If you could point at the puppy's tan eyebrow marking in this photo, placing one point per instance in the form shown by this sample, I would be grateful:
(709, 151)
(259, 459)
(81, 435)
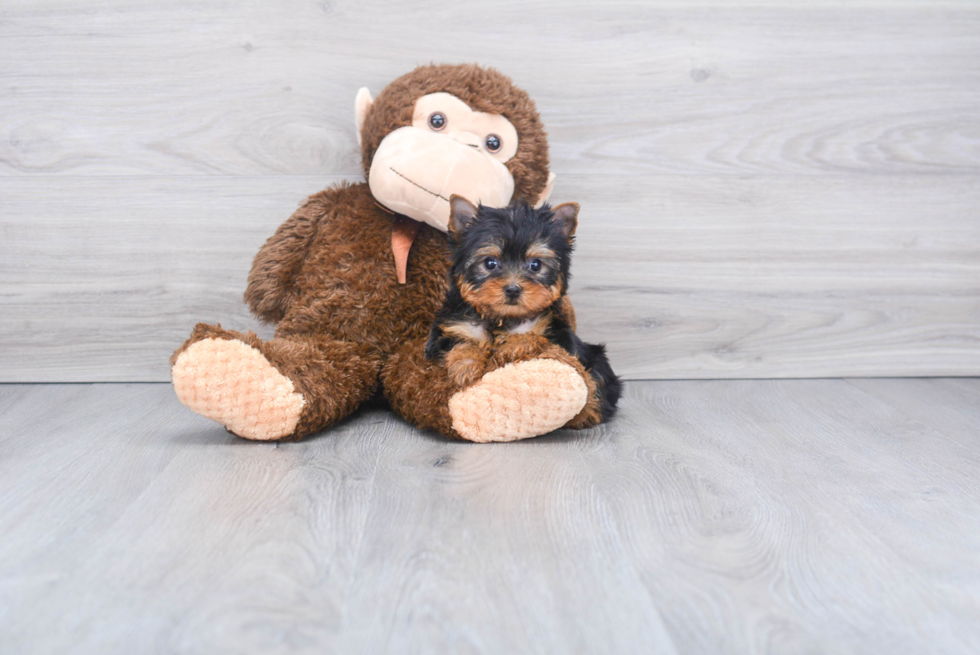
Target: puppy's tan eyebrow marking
(541, 251)
(491, 250)
(487, 251)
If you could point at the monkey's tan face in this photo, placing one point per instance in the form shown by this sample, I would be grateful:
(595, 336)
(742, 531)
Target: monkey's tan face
(448, 149)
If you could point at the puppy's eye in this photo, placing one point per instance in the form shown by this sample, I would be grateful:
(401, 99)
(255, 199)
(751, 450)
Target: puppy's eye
(437, 120)
(534, 265)
(493, 143)
(491, 263)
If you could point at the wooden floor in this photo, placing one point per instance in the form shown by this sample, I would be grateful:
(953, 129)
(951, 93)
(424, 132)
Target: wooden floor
(710, 517)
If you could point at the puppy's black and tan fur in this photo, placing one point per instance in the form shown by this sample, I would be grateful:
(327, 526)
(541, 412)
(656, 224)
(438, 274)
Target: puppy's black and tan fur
(508, 280)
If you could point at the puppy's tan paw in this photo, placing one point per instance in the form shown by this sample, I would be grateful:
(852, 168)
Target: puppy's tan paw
(465, 364)
(514, 347)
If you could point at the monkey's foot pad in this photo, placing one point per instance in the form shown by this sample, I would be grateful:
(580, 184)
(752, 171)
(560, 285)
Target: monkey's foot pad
(234, 384)
(519, 400)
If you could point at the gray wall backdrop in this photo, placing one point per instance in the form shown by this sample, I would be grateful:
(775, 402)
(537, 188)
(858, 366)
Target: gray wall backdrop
(769, 189)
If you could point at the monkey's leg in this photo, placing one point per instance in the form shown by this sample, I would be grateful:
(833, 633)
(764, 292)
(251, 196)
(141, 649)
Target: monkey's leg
(522, 399)
(513, 351)
(418, 388)
(282, 389)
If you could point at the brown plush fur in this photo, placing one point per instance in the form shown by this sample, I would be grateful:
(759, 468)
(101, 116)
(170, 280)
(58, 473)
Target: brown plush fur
(335, 377)
(327, 276)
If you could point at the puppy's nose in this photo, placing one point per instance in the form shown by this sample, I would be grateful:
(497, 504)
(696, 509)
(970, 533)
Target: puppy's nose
(512, 291)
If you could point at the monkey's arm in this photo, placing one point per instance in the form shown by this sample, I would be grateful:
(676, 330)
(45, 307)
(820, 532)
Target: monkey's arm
(271, 288)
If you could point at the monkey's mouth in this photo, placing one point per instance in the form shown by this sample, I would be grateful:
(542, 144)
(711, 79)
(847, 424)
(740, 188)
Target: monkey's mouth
(416, 184)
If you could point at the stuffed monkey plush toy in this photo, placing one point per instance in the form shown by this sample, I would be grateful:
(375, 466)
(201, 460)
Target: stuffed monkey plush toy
(354, 278)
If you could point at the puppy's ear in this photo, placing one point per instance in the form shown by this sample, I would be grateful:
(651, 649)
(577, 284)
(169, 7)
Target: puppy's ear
(462, 213)
(546, 193)
(565, 218)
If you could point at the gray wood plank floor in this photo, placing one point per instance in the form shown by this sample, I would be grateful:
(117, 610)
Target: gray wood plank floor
(783, 516)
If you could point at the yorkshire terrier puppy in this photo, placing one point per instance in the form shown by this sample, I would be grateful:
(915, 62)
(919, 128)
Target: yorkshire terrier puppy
(508, 280)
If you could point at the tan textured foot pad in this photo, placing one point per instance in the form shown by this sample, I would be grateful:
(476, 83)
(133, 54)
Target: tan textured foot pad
(232, 383)
(520, 400)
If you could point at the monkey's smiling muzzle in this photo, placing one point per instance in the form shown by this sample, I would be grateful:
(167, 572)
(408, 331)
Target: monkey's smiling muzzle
(414, 172)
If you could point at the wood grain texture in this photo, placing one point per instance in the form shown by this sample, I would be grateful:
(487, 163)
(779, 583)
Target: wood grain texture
(709, 517)
(624, 87)
(771, 190)
(687, 277)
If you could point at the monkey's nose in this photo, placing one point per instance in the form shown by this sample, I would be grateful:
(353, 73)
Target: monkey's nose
(512, 291)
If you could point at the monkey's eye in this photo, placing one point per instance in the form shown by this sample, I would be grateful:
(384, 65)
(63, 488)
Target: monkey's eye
(491, 263)
(437, 120)
(493, 143)
(534, 265)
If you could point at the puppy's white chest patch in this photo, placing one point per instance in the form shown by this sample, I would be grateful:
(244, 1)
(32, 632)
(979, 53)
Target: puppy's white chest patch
(527, 325)
(470, 330)
(476, 331)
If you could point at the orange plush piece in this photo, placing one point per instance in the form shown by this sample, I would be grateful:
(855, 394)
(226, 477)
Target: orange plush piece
(354, 278)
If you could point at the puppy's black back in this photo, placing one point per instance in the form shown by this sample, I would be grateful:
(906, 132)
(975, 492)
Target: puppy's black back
(594, 360)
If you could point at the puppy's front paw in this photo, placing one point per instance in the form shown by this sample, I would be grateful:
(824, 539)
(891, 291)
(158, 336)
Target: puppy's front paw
(515, 347)
(465, 364)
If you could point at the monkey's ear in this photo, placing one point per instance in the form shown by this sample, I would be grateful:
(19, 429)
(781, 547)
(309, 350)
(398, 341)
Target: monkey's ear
(362, 103)
(566, 218)
(462, 213)
(546, 192)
